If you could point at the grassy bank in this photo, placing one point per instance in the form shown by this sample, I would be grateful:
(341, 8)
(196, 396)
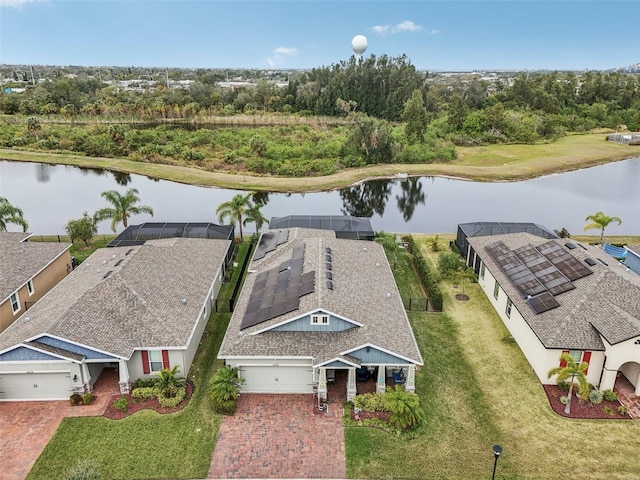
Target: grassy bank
(487, 163)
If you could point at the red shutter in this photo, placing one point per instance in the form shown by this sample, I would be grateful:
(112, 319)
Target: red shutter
(586, 357)
(145, 362)
(563, 362)
(165, 358)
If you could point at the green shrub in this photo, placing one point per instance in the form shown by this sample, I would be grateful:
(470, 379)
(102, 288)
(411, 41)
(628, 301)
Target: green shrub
(87, 398)
(564, 385)
(223, 407)
(449, 262)
(83, 470)
(596, 396)
(623, 410)
(608, 410)
(171, 402)
(564, 400)
(610, 395)
(369, 402)
(122, 404)
(75, 399)
(144, 392)
(428, 279)
(146, 382)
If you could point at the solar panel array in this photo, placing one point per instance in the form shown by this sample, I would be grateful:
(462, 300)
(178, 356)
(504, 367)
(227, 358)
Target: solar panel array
(277, 291)
(545, 271)
(539, 272)
(570, 266)
(269, 241)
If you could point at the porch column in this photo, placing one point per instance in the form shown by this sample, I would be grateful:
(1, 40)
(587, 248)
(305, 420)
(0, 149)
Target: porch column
(410, 379)
(608, 379)
(87, 384)
(125, 384)
(638, 386)
(351, 384)
(381, 385)
(322, 384)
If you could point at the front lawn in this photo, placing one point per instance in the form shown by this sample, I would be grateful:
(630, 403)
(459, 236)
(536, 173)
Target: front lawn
(146, 444)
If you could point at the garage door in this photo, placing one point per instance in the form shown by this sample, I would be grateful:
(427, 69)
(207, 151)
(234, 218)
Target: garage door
(277, 379)
(35, 386)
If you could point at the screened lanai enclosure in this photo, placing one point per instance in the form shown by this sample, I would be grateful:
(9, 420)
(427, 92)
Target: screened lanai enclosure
(345, 226)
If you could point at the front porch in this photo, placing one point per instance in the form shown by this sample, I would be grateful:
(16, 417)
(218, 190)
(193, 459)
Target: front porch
(627, 396)
(346, 383)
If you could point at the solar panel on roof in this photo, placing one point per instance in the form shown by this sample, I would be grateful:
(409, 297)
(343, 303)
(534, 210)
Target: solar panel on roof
(570, 266)
(545, 271)
(542, 303)
(518, 273)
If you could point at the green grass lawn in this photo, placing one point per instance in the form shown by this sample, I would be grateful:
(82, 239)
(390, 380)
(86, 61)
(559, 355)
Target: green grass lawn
(146, 444)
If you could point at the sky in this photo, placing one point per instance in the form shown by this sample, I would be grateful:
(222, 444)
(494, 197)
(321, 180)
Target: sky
(301, 34)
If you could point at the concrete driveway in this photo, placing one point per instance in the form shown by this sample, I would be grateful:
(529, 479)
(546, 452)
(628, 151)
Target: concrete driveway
(27, 427)
(278, 436)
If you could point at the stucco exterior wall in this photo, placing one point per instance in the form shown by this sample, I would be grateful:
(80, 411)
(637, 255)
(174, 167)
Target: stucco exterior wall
(42, 283)
(134, 364)
(540, 358)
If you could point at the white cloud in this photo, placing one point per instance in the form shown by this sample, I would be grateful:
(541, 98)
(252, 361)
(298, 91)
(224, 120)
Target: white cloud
(288, 51)
(406, 26)
(16, 3)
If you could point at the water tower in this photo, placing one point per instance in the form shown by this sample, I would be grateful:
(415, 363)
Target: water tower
(359, 45)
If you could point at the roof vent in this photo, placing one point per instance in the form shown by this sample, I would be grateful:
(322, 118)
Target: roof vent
(603, 262)
(570, 245)
(183, 301)
(590, 261)
(26, 319)
(329, 285)
(328, 250)
(108, 274)
(119, 262)
(582, 246)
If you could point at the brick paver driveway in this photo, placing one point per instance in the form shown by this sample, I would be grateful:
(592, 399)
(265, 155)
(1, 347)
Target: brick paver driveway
(278, 436)
(27, 427)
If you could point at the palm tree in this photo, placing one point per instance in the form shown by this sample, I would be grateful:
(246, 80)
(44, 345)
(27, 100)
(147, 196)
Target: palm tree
(570, 370)
(405, 408)
(11, 214)
(168, 382)
(224, 389)
(600, 221)
(234, 209)
(254, 215)
(123, 207)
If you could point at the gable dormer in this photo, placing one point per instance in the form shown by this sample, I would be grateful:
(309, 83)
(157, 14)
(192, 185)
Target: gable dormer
(316, 321)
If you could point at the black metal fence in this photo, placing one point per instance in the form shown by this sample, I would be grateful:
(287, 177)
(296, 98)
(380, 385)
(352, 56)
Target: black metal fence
(226, 305)
(418, 304)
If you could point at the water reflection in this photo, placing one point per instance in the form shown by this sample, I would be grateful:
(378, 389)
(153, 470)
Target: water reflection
(366, 199)
(411, 196)
(122, 178)
(43, 173)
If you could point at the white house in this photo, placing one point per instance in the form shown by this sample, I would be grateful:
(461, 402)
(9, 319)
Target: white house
(313, 304)
(137, 309)
(557, 295)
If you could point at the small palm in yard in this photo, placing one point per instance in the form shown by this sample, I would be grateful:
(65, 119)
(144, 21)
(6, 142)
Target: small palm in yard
(224, 388)
(600, 221)
(405, 408)
(123, 207)
(235, 209)
(434, 243)
(570, 371)
(168, 381)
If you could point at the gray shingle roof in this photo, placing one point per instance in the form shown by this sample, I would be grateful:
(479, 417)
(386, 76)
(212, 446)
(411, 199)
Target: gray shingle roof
(362, 279)
(138, 305)
(20, 261)
(608, 300)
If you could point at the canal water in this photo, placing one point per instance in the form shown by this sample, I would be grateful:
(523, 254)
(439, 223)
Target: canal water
(51, 195)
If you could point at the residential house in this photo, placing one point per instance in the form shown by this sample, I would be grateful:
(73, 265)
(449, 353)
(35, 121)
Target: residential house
(28, 270)
(313, 304)
(137, 309)
(632, 260)
(559, 296)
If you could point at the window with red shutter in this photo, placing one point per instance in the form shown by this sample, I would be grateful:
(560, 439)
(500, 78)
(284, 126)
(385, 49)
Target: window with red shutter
(145, 362)
(586, 357)
(165, 358)
(563, 362)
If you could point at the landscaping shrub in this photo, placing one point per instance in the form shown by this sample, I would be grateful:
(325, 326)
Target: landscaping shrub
(608, 410)
(596, 396)
(146, 382)
(370, 402)
(171, 402)
(610, 395)
(449, 262)
(428, 279)
(122, 404)
(76, 399)
(564, 400)
(83, 470)
(404, 407)
(87, 398)
(144, 392)
(564, 385)
(623, 410)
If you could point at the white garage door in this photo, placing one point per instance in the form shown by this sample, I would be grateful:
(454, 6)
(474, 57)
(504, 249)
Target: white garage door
(35, 386)
(277, 379)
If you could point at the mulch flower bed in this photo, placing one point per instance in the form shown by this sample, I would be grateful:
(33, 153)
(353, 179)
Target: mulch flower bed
(581, 408)
(361, 415)
(135, 405)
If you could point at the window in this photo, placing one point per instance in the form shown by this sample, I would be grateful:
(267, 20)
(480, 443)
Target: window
(576, 355)
(496, 290)
(482, 271)
(508, 309)
(15, 303)
(319, 319)
(155, 360)
(30, 288)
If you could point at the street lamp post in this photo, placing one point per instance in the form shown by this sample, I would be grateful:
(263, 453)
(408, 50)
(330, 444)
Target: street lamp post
(497, 450)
